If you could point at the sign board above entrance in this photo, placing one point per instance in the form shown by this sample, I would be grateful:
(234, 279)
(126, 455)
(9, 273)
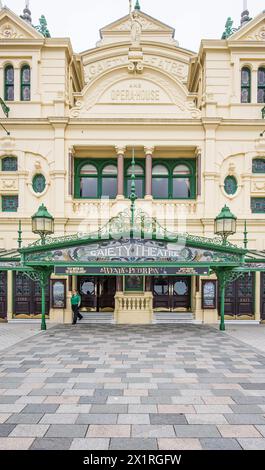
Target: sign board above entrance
(129, 251)
(130, 271)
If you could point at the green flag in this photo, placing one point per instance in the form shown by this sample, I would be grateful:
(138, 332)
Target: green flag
(5, 108)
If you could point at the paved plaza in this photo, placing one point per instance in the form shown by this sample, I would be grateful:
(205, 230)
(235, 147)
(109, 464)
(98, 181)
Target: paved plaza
(132, 387)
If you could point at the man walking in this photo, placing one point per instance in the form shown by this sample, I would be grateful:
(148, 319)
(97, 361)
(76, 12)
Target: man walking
(76, 302)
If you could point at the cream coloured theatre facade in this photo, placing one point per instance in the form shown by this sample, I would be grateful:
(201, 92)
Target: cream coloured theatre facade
(194, 124)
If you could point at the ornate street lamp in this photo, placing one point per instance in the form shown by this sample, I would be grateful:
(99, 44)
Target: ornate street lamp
(225, 224)
(42, 223)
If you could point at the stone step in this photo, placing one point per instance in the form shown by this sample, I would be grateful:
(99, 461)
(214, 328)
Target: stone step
(97, 317)
(174, 317)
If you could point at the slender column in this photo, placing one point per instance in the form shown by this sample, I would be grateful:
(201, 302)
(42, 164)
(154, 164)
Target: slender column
(120, 158)
(258, 296)
(119, 284)
(148, 171)
(9, 295)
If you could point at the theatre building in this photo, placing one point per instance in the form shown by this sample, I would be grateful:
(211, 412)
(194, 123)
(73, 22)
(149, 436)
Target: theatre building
(126, 154)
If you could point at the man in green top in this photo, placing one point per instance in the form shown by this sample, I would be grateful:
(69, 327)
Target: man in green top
(75, 302)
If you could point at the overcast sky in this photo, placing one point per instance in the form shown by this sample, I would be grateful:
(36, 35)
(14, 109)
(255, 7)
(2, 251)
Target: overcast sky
(81, 19)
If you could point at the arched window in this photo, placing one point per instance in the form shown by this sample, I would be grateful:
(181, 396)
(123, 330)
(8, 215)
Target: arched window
(261, 85)
(89, 181)
(9, 83)
(109, 182)
(139, 180)
(245, 85)
(25, 83)
(160, 182)
(9, 164)
(258, 165)
(181, 182)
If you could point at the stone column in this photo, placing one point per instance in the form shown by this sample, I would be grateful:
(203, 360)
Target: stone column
(148, 171)
(119, 287)
(120, 159)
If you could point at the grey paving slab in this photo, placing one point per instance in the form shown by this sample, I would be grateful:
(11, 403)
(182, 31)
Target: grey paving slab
(6, 429)
(51, 444)
(95, 418)
(252, 444)
(67, 430)
(245, 419)
(165, 418)
(220, 444)
(133, 444)
(90, 444)
(196, 431)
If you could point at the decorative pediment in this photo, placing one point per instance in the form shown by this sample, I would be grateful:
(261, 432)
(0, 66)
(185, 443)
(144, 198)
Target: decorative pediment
(148, 23)
(13, 27)
(254, 30)
(151, 29)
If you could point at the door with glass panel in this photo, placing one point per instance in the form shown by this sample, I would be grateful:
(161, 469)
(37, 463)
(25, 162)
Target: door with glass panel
(240, 298)
(171, 294)
(3, 294)
(97, 293)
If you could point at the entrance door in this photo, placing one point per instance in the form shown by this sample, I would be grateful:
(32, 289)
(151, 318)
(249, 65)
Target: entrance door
(97, 293)
(3, 295)
(172, 294)
(240, 297)
(27, 296)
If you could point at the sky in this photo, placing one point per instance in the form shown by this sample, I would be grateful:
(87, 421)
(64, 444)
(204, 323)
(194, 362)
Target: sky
(81, 20)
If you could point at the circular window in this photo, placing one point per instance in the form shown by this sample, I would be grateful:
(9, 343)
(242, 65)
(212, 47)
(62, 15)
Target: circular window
(230, 185)
(39, 183)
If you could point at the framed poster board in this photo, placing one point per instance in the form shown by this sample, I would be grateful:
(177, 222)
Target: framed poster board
(58, 293)
(134, 283)
(209, 295)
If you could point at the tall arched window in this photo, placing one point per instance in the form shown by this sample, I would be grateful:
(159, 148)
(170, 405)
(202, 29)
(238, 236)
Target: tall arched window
(109, 182)
(139, 180)
(89, 181)
(160, 182)
(261, 85)
(25, 83)
(181, 182)
(9, 164)
(9, 83)
(245, 85)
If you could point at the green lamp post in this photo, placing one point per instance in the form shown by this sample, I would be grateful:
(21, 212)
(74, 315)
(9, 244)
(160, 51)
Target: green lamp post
(224, 226)
(43, 225)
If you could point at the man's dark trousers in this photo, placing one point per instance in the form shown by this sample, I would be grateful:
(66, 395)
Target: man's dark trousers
(76, 312)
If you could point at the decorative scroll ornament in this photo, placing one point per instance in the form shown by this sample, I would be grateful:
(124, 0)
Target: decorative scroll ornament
(8, 31)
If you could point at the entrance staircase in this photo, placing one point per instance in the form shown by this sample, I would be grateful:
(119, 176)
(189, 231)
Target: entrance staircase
(97, 318)
(173, 318)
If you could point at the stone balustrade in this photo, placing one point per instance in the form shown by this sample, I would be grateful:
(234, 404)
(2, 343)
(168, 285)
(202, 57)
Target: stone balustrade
(134, 307)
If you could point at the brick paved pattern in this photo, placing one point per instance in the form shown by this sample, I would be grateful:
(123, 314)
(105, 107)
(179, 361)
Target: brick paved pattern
(139, 387)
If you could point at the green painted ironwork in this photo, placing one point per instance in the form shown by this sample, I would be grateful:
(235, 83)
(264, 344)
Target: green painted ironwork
(245, 236)
(225, 276)
(137, 5)
(41, 275)
(19, 241)
(5, 108)
(139, 177)
(230, 185)
(39, 183)
(229, 30)
(42, 27)
(133, 196)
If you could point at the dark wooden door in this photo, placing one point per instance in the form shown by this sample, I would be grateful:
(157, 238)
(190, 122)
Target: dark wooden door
(27, 296)
(262, 295)
(172, 293)
(87, 287)
(106, 294)
(240, 297)
(3, 294)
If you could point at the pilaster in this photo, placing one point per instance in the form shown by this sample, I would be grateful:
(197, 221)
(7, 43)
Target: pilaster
(148, 171)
